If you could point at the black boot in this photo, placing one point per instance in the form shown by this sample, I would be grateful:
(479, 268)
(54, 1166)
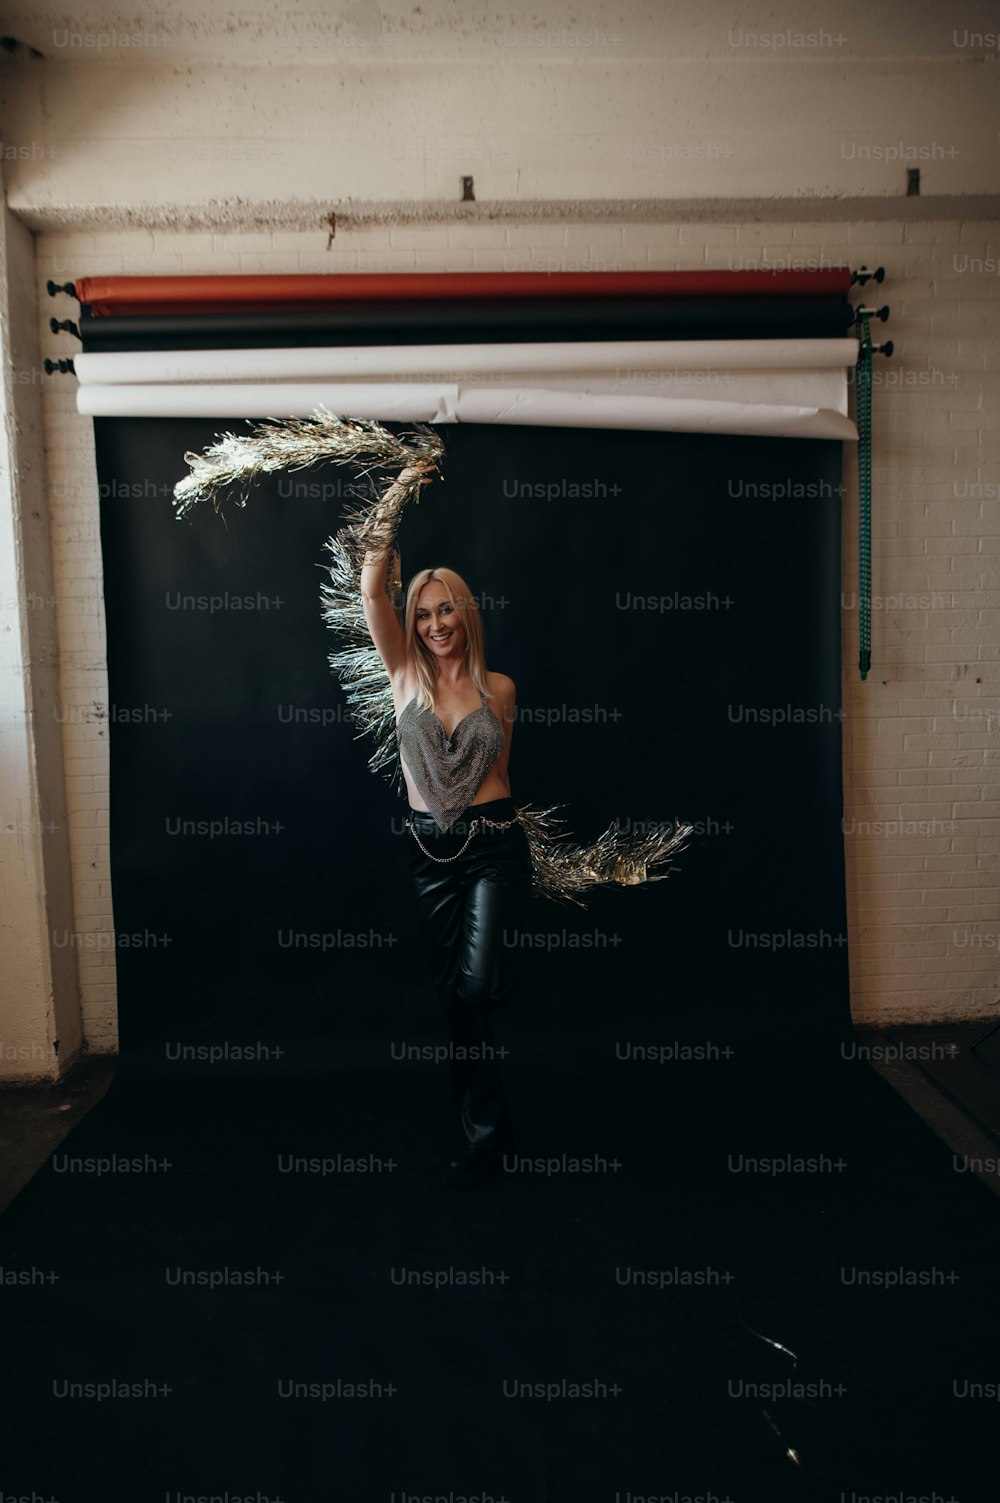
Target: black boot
(478, 1095)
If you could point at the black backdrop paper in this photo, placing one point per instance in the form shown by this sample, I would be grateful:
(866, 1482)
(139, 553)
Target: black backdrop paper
(668, 606)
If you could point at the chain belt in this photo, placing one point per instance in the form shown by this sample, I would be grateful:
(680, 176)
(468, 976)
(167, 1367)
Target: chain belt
(480, 819)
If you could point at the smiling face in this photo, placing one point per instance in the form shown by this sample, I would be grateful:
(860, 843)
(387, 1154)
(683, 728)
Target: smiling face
(438, 623)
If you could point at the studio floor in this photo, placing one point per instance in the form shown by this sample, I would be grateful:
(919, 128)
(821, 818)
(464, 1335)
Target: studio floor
(748, 1334)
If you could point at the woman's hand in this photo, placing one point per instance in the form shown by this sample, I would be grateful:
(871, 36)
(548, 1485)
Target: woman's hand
(419, 470)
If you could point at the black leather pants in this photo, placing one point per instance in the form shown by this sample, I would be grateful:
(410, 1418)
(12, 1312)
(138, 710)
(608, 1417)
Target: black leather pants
(470, 910)
(470, 907)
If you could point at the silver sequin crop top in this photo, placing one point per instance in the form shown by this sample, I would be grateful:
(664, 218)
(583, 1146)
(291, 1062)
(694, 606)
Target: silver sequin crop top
(448, 770)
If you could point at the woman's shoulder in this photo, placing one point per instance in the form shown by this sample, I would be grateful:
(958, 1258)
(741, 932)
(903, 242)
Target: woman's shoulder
(500, 685)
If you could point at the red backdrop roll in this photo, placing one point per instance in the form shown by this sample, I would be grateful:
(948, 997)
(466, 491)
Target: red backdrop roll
(124, 296)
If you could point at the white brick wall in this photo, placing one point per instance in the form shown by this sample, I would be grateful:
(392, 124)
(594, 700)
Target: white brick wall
(922, 790)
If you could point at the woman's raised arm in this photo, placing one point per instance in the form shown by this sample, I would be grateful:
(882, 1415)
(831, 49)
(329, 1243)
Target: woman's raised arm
(380, 613)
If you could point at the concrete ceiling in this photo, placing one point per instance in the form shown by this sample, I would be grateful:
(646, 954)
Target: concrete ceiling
(346, 31)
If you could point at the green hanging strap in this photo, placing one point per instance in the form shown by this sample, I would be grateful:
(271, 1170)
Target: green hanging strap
(864, 422)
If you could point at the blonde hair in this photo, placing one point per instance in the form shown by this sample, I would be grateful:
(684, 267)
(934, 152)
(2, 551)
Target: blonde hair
(420, 657)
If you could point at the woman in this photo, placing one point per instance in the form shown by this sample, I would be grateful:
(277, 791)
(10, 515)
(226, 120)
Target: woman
(469, 856)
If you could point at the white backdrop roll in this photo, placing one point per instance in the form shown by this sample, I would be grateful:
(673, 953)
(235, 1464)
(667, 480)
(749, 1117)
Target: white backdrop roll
(460, 362)
(781, 388)
(396, 402)
(823, 388)
(768, 386)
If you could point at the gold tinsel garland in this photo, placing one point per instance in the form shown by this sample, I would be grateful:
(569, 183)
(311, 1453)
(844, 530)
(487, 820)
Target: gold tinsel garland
(294, 444)
(563, 868)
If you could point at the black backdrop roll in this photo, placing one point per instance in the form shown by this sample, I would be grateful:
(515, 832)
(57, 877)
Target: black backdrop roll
(675, 642)
(477, 321)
